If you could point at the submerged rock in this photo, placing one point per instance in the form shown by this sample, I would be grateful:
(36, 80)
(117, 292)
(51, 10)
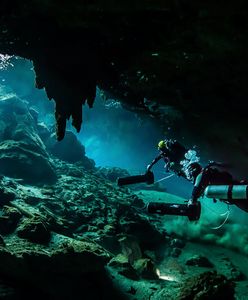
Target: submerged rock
(20, 160)
(6, 195)
(121, 264)
(199, 261)
(130, 248)
(145, 268)
(35, 230)
(175, 252)
(22, 152)
(112, 173)
(9, 219)
(207, 286)
(178, 243)
(69, 149)
(231, 271)
(70, 269)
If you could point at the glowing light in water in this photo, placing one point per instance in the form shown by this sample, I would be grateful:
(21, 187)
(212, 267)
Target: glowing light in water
(5, 61)
(166, 277)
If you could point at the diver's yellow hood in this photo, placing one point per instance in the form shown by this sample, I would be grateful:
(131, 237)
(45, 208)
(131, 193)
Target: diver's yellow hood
(161, 145)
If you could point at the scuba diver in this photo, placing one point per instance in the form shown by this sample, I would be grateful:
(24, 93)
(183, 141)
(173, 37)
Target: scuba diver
(215, 183)
(172, 152)
(209, 181)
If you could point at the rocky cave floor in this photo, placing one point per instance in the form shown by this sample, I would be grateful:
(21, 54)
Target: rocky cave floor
(68, 232)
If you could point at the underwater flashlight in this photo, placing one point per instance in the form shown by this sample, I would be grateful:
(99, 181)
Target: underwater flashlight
(147, 178)
(192, 211)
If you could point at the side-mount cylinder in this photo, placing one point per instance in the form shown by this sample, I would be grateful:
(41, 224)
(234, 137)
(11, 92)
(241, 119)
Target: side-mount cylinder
(147, 178)
(227, 192)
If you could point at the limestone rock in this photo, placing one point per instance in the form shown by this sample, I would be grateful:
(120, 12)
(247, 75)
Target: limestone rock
(145, 268)
(22, 152)
(112, 173)
(130, 248)
(123, 267)
(207, 286)
(9, 219)
(70, 149)
(199, 261)
(231, 271)
(177, 243)
(35, 230)
(175, 252)
(69, 270)
(6, 195)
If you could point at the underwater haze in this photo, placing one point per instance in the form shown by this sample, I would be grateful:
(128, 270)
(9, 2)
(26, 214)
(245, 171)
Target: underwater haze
(68, 229)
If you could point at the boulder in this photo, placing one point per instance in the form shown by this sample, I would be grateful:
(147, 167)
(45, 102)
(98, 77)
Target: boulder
(112, 173)
(145, 268)
(64, 271)
(130, 248)
(121, 264)
(22, 152)
(207, 286)
(69, 149)
(35, 230)
(9, 219)
(175, 252)
(199, 261)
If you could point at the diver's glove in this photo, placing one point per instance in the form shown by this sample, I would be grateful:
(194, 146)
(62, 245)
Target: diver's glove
(167, 167)
(191, 202)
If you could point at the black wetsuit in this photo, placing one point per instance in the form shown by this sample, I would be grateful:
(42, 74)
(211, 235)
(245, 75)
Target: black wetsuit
(213, 176)
(174, 152)
(209, 176)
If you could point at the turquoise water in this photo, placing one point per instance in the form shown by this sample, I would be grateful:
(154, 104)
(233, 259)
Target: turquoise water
(67, 228)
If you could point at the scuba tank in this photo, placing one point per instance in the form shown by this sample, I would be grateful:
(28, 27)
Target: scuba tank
(147, 178)
(227, 192)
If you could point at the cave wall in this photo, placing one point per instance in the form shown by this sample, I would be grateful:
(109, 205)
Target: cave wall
(183, 62)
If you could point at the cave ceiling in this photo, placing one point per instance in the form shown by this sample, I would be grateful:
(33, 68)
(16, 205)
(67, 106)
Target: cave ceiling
(179, 61)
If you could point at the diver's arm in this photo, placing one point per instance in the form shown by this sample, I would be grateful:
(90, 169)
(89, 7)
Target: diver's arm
(167, 164)
(197, 190)
(156, 159)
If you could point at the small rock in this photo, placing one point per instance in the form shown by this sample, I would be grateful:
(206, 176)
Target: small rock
(12, 212)
(237, 275)
(145, 268)
(232, 272)
(177, 243)
(175, 252)
(123, 267)
(9, 219)
(130, 248)
(6, 196)
(132, 290)
(34, 230)
(199, 261)
(88, 197)
(208, 285)
(109, 229)
(137, 202)
(32, 200)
